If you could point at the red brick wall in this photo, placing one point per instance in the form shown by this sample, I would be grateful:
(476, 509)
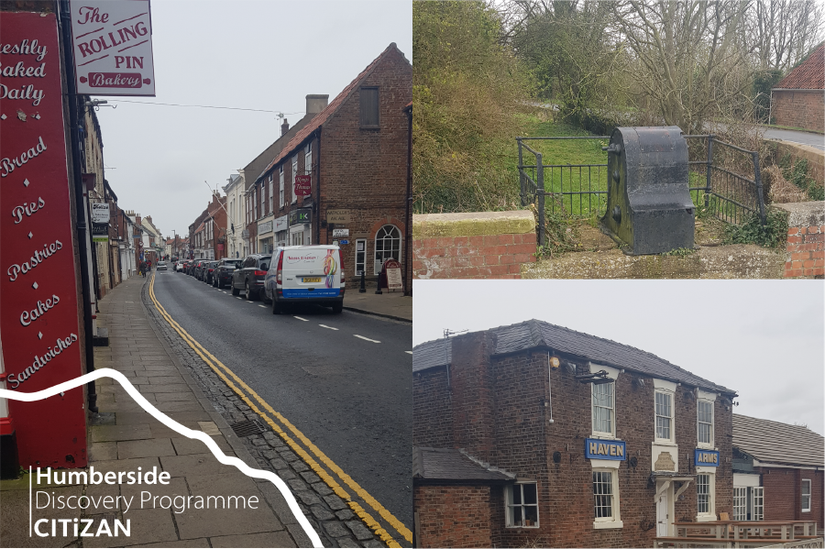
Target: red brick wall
(783, 494)
(365, 170)
(807, 251)
(799, 109)
(453, 516)
(495, 256)
(522, 441)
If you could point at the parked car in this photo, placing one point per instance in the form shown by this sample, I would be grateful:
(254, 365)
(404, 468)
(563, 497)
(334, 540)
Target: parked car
(250, 276)
(181, 266)
(222, 276)
(306, 274)
(161, 266)
(208, 269)
(198, 268)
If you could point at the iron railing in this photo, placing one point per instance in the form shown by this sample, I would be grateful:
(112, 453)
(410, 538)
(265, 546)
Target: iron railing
(580, 190)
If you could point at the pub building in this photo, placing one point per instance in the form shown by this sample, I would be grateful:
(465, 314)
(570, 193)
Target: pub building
(537, 435)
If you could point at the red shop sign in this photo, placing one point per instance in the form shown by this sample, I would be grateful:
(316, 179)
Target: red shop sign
(39, 324)
(303, 185)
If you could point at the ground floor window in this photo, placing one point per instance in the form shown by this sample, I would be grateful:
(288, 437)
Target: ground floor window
(522, 505)
(266, 246)
(387, 246)
(360, 255)
(705, 494)
(806, 495)
(606, 494)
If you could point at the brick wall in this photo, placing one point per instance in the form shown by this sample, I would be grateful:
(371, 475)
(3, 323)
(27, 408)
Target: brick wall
(806, 240)
(783, 494)
(473, 245)
(516, 398)
(799, 109)
(365, 170)
(453, 516)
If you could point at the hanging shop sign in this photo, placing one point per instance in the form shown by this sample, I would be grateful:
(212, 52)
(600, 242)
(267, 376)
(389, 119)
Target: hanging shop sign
(39, 320)
(303, 185)
(100, 232)
(100, 212)
(112, 42)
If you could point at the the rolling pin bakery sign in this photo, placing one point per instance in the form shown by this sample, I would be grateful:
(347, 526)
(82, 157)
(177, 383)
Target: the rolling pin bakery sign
(39, 321)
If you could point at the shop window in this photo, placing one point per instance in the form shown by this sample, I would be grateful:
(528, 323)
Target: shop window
(522, 505)
(806, 495)
(387, 246)
(705, 493)
(704, 413)
(603, 409)
(369, 108)
(664, 416)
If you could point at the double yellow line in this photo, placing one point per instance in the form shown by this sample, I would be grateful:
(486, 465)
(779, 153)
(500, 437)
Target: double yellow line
(254, 401)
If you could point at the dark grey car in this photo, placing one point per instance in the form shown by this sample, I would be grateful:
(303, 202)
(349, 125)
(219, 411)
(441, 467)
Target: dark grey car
(250, 276)
(222, 275)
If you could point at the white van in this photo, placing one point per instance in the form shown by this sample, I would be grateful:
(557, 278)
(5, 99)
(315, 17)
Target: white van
(305, 274)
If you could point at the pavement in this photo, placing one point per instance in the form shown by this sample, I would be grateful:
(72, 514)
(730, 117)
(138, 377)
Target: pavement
(124, 437)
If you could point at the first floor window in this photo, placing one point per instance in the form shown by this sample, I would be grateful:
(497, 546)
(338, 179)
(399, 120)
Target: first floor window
(806, 495)
(522, 506)
(603, 408)
(664, 415)
(704, 412)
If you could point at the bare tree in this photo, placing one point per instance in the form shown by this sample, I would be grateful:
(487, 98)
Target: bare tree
(690, 65)
(781, 32)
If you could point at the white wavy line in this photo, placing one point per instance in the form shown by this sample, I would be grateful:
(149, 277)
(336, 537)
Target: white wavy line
(172, 424)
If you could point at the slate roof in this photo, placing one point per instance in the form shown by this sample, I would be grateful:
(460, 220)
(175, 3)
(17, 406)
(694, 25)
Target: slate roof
(810, 75)
(537, 334)
(449, 464)
(331, 109)
(778, 443)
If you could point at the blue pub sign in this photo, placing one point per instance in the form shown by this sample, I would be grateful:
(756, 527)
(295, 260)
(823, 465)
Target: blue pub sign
(706, 458)
(595, 448)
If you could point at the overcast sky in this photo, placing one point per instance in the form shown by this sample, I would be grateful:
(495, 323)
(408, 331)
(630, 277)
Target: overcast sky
(246, 54)
(763, 339)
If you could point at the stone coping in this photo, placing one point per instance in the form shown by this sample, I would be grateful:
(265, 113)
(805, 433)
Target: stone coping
(473, 224)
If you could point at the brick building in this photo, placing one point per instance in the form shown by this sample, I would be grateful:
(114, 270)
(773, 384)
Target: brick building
(208, 233)
(576, 441)
(777, 471)
(352, 161)
(798, 100)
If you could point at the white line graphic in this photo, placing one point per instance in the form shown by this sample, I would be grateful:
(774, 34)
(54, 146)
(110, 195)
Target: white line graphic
(172, 424)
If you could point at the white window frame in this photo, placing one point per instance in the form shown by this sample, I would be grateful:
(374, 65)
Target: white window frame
(281, 188)
(708, 425)
(706, 397)
(360, 250)
(740, 503)
(757, 501)
(805, 497)
(663, 412)
(709, 513)
(294, 173)
(611, 467)
(308, 159)
(509, 506)
(271, 193)
(380, 235)
(263, 198)
(661, 386)
(613, 374)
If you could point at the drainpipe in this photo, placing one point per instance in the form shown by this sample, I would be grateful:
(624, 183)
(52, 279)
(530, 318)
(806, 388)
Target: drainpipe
(82, 226)
(407, 215)
(318, 201)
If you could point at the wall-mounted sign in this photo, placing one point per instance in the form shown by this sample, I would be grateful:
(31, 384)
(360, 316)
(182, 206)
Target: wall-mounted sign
(265, 227)
(706, 458)
(303, 185)
(281, 223)
(339, 216)
(41, 347)
(100, 212)
(595, 448)
(299, 216)
(113, 47)
(340, 232)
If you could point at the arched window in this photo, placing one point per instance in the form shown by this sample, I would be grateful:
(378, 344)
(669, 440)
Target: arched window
(387, 245)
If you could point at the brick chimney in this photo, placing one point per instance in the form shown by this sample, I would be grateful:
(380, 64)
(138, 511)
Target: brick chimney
(472, 393)
(316, 103)
(284, 127)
